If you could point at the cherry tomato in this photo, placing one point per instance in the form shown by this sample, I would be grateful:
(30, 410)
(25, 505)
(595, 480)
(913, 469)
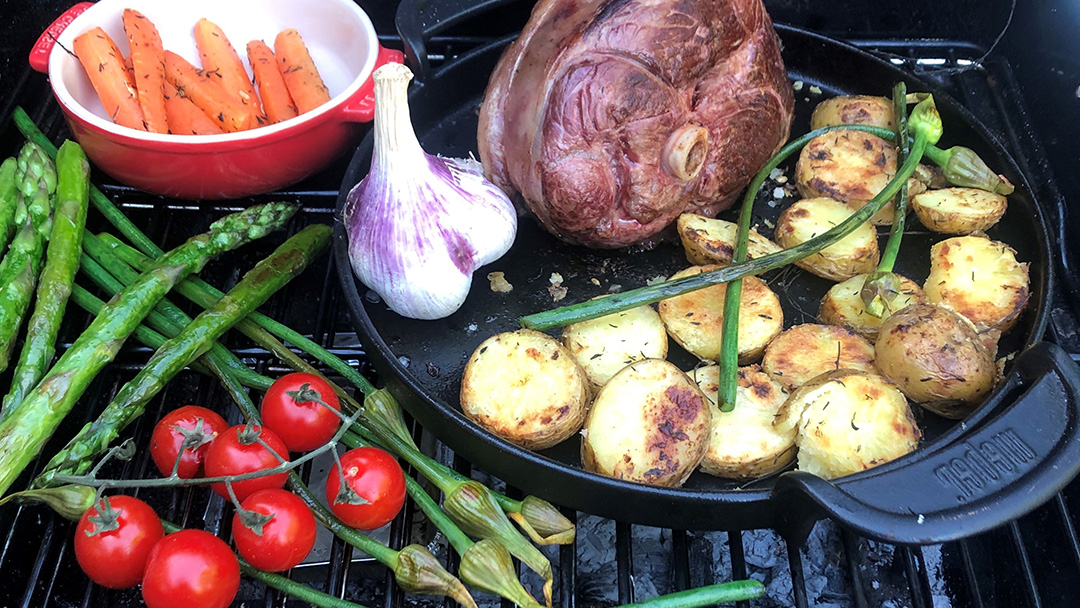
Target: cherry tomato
(170, 433)
(237, 451)
(290, 407)
(377, 478)
(191, 568)
(285, 540)
(113, 539)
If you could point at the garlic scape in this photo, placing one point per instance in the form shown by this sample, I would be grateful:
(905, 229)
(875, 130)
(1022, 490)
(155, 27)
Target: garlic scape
(419, 225)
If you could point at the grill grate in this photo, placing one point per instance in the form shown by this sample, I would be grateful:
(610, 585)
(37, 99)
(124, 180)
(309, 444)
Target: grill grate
(1034, 562)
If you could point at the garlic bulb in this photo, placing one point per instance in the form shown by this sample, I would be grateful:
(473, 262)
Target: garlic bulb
(419, 225)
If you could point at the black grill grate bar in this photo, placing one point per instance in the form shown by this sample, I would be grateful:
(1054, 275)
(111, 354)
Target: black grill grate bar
(680, 557)
(798, 576)
(568, 567)
(918, 581)
(738, 559)
(624, 557)
(1030, 589)
(851, 553)
(970, 578)
(1070, 529)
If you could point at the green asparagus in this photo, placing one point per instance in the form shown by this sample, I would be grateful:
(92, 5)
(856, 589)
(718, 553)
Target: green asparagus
(9, 201)
(25, 431)
(22, 264)
(54, 284)
(253, 289)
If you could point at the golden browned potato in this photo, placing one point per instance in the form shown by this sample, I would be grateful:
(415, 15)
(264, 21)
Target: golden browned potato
(959, 210)
(853, 110)
(851, 167)
(526, 388)
(848, 421)
(806, 351)
(696, 320)
(980, 279)
(856, 253)
(712, 241)
(650, 423)
(605, 345)
(935, 356)
(744, 444)
(843, 305)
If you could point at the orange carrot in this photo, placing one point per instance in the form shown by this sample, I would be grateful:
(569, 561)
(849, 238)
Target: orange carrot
(185, 117)
(298, 70)
(205, 91)
(104, 64)
(276, 100)
(218, 55)
(148, 65)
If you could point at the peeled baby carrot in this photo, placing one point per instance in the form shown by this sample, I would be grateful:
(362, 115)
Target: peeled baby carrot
(298, 70)
(148, 67)
(185, 118)
(104, 64)
(205, 91)
(276, 100)
(218, 55)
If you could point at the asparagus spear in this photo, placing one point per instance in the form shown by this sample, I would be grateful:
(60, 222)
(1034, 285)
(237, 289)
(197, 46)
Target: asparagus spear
(25, 431)
(9, 200)
(22, 264)
(54, 284)
(253, 289)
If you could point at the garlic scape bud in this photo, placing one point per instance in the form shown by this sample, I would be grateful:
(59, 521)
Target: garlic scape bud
(487, 566)
(419, 225)
(69, 501)
(544, 524)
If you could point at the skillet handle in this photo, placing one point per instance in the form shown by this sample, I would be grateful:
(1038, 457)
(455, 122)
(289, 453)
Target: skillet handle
(1015, 459)
(416, 20)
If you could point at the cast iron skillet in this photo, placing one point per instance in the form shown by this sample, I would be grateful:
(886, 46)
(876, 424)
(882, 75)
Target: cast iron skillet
(1009, 456)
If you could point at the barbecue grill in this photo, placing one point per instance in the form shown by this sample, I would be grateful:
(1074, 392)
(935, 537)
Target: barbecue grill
(1014, 67)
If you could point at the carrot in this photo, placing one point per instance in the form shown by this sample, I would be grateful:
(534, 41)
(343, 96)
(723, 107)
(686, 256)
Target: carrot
(104, 64)
(276, 100)
(218, 55)
(148, 65)
(205, 91)
(298, 70)
(185, 117)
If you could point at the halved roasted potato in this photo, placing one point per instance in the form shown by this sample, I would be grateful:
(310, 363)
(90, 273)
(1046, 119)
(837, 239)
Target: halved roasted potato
(744, 444)
(853, 110)
(712, 241)
(935, 356)
(526, 388)
(696, 320)
(843, 305)
(605, 345)
(848, 421)
(650, 423)
(856, 253)
(980, 279)
(806, 351)
(959, 210)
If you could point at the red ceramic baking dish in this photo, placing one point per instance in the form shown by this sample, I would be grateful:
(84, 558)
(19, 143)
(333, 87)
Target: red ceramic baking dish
(339, 36)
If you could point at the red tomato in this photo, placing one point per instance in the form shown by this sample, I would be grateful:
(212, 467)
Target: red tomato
(285, 540)
(377, 478)
(191, 568)
(290, 407)
(169, 435)
(236, 451)
(116, 557)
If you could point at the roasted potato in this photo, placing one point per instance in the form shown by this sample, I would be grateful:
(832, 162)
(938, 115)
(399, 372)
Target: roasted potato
(526, 388)
(854, 110)
(650, 423)
(744, 444)
(696, 320)
(936, 357)
(848, 421)
(806, 351)
(856, 253)
(980, 279)
(712, 241)
(959, 210)
(605, 345)
(843, 305)
(851, 167)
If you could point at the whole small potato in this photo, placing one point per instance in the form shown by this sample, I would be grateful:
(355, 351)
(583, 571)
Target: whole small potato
(843, 305)
(650, 423)
(937, 358)
(853, 110)
(856, 253)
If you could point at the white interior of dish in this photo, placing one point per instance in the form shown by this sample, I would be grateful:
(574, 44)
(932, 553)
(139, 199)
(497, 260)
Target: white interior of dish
(338, 34)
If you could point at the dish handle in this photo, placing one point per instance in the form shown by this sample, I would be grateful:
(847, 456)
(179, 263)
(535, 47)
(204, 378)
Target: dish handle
(361, 107)
(39, 55)
(1011, 461)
